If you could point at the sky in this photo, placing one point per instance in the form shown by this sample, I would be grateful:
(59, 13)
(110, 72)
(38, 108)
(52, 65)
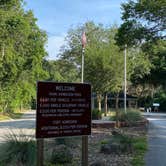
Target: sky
(56, 17)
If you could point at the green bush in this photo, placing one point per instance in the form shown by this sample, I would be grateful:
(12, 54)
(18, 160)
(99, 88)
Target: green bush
(61, 155)
(126, 142)
(130, 116)
(161, 98)
(18, 149)
(96, 114)
(119, 143)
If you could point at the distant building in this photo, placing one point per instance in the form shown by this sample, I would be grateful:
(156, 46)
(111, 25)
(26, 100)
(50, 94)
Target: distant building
(131, 101)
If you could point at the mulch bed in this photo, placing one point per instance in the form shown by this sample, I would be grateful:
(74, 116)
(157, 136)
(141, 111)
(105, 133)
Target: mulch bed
(96, 158)
(99, 134)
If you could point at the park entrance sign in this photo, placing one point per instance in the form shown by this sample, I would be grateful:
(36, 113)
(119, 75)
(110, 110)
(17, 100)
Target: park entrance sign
(63, 109)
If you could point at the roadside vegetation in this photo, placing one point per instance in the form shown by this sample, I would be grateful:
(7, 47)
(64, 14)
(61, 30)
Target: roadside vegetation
(11, 115)
(18, 149)
(106, 146)
(140, 148)
(130, 117)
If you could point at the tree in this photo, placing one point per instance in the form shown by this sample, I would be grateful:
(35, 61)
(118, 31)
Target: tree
(144, 28)
(22, 52)
(144, 20)
(102, 57)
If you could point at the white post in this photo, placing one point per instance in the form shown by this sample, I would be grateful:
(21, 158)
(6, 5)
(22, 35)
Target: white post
(82, 68)
(125, 82)
(84, 138)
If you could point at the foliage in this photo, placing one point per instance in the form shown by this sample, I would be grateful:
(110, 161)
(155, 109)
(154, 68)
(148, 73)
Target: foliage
(143, 21)
(60, 71)
(125, 142)
(160, 97)
(104, 60)
(18, 149)
(96, 114)
(102, 57)
(61, 156)
(130, 117)
(140, 147)
(144, 28)
(22, 52)
(128, 144)
(10, 115)
(59, 150)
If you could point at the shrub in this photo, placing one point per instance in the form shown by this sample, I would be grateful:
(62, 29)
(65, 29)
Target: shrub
(117, 144)
(61, 155)
(18, 149)
(130, 117)
(96, 114)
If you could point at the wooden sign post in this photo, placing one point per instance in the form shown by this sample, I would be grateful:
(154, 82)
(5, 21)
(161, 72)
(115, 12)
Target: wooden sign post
(63, 109)
(40, 152)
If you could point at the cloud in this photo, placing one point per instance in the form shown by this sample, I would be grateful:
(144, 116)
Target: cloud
(53, 46)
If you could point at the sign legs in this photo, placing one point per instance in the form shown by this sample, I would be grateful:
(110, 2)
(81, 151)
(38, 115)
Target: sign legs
(40, 152)
(84, 150)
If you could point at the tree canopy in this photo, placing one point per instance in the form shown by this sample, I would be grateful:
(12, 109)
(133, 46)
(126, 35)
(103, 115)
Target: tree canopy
(144, 27)
(21, 55)
(144, 20)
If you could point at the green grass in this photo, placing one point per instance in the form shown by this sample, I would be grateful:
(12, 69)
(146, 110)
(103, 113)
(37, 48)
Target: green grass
(140, 148)
(11, 115)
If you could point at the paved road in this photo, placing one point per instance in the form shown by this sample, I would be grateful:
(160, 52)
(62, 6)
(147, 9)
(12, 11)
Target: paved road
(156, 155)
(24, 125)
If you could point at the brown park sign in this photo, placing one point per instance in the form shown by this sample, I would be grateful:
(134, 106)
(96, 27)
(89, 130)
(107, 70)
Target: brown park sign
(63, 109)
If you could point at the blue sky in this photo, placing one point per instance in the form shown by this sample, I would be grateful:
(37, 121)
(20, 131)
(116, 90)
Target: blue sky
(56, 17)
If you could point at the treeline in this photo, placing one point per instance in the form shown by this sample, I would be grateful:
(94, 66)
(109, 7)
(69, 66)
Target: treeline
(23, 57)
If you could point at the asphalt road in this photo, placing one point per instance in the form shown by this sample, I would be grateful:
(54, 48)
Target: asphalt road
(156, 154)
(25, 125)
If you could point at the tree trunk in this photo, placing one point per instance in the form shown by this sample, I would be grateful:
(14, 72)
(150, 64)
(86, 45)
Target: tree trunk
(21, 107)
(99, 102)
(105, 104)
(117, 101)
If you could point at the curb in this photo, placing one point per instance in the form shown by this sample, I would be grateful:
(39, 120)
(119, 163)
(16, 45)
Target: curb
(112, 124)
